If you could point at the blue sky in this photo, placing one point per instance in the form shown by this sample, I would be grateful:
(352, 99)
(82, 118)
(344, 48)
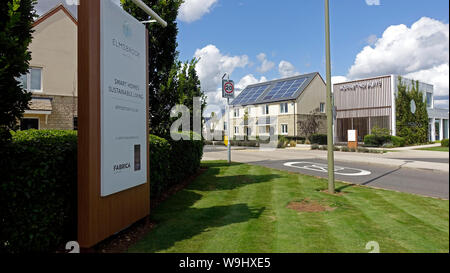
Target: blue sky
(293, 31)
(258, 40)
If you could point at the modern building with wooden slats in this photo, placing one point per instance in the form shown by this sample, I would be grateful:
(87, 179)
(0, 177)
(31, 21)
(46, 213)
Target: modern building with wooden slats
(366, 103)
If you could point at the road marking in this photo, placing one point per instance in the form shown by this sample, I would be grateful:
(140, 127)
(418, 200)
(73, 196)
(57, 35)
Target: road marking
(318, 167)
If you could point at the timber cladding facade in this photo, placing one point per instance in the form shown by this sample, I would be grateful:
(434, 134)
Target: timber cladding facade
(52, 78)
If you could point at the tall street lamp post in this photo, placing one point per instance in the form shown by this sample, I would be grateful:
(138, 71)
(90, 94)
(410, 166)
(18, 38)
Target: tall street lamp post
(330, 146)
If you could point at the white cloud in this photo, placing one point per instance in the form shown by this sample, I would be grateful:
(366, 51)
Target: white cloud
(443, 104)
(373, 2)
(371, 40)
(286, 69)
(210, 68)
(215, 99)
(420, 52)
(266, 65)
(192, 10)
(338, 79)
(246, 81)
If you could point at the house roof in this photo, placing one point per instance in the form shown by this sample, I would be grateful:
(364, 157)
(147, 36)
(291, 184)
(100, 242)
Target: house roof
(41, 104)
(53, 11)
(274, 91)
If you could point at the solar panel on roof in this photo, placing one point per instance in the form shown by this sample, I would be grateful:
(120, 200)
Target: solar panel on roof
(290, 91)
(250, 95)
(274, 90)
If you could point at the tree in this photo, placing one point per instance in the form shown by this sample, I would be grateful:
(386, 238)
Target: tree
(15, 36)
(310, 125)
(411, 125)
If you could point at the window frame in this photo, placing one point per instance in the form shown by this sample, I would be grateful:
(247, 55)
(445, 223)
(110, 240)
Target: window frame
(28, 80)
(322, 107)
(35, 118)
(282, 129)
(284, 108)
(265, 109)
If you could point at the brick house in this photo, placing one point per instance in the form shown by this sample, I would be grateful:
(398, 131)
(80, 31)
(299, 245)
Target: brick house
(52, 78)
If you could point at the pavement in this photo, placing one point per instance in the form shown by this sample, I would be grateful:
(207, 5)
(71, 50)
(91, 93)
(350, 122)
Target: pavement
(413, 171)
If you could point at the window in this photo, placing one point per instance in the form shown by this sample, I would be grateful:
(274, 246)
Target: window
(284, 129)
(322, 107)
(32, 81)
(265, 109)
(236, 129)
(284, 108)
(224, 125)
(29, 123)
(236, 113)
(429, 99)
(75, 123)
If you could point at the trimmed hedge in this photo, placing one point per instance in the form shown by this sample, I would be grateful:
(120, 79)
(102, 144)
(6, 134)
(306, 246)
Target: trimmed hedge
(320, 139)
(38, 190)
(383, 140)
(172, 161)
(38, 186)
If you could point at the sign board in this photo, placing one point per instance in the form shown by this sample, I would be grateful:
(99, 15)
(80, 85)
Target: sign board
(351, 135)
(123, 113)
(352, 139)
(227, 89)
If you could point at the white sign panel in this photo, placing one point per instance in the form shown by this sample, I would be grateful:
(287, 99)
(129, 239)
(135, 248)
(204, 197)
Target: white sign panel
(123, 100)
(351, 135)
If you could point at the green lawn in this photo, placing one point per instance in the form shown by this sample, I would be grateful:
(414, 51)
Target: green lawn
(438, 148)
(242, 208)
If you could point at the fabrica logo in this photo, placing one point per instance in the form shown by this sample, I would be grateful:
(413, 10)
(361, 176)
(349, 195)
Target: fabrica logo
(122, 166)
(126, 29)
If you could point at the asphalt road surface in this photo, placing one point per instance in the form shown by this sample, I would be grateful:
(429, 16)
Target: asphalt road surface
(423, 182)
(435, 160)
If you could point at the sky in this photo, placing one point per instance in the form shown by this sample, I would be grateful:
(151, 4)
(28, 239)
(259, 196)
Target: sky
(260, 40)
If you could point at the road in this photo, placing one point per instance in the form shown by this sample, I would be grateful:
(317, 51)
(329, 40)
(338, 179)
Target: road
(382, 171)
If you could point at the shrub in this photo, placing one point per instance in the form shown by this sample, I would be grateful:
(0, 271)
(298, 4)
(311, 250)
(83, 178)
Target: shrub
(362, 150)
(282, 141)
(388, 145)
(397, 141)
(38, 190)
(315, 147)
(320, 139)
(38, 186)
(185, 157)
(160, 174)
(293, 143)
(345, 149)
(444, 143)
(324, 147)
(336, 148)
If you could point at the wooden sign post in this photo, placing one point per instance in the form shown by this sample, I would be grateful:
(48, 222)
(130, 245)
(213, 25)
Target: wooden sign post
(107, 202)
